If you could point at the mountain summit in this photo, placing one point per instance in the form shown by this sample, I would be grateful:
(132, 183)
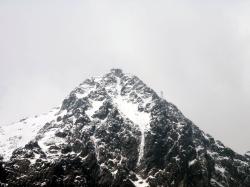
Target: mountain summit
(114, 130)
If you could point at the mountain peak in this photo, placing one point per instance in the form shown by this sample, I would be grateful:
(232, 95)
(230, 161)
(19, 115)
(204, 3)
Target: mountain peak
(113, 130)
(116, 71)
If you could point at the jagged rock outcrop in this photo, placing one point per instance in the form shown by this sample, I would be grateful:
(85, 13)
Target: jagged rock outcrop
(113, 130)
(3, 173)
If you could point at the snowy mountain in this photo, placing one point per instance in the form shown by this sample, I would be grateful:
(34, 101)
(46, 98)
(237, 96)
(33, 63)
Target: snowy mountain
(113, 130)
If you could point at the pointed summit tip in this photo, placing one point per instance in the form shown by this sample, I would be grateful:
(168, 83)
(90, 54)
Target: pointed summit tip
(117, 72)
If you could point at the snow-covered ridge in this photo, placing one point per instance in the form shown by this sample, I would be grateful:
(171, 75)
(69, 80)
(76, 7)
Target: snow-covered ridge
(19, 134)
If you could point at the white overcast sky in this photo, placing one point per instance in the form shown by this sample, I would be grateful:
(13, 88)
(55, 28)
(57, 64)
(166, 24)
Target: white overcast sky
(196, 52)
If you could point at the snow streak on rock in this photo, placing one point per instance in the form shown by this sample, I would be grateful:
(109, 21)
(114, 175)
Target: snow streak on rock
(130, 110)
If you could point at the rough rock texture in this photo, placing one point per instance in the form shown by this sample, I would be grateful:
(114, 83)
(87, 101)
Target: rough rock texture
(113, 130)
(3, 173)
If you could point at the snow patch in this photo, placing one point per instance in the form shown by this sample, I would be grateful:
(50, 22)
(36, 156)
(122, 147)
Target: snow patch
(198, 148)
(95, 106)
(179, 125)
(220, 169)
(190, 163)
(140, 182)
(114, 172)
(49, 139)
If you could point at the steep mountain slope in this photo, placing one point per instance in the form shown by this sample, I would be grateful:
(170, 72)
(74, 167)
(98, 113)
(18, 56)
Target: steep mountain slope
(18, 134)
(113, 130)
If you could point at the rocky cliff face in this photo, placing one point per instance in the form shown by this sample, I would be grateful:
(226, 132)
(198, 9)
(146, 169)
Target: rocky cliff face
(113, 131)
